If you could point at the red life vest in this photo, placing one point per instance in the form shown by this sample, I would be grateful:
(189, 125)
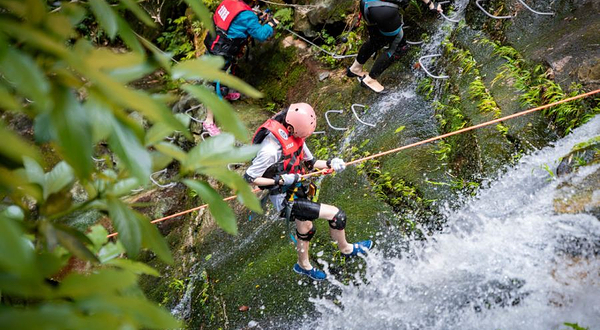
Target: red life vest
(292, 152)
(227, 11)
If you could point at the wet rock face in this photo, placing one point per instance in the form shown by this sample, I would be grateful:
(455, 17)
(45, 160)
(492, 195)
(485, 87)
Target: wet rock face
(580, 195)
(582, 155)
(568, 42)
(310, 20)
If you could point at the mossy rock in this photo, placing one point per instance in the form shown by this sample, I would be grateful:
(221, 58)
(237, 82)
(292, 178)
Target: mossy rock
(583, 154)
(581, 195)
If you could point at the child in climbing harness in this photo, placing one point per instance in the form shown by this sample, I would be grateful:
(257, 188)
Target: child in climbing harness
(384, 24)
(235, 23)
(279, 166)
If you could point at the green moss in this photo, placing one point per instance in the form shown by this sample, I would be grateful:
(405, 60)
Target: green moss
(274, 71)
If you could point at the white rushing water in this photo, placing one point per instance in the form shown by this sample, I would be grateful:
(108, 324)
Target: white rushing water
(505, 261)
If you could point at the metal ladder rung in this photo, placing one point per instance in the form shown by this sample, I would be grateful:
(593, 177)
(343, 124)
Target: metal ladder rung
(329, 123)
(356, 115)
(427, 71)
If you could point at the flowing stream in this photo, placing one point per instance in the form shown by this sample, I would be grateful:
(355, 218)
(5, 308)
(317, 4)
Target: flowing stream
(505, 261)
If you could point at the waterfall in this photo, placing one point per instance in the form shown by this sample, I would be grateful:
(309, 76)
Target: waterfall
(505, 261)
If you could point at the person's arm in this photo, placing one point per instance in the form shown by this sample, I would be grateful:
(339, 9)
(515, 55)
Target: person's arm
(261, 182)
(266, 156)
(253, 26)
(337, 164)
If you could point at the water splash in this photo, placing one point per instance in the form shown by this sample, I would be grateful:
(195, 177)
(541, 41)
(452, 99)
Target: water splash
(505, 261)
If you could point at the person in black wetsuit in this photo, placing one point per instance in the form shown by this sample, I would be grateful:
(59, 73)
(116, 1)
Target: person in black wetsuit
(384, 24)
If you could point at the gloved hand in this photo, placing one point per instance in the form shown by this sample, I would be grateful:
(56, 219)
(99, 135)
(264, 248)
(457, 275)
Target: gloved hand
(286, 179)
(338, 164)
(264, 16)
(273, 22)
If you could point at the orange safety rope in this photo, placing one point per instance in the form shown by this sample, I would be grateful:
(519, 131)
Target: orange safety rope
(439, 137)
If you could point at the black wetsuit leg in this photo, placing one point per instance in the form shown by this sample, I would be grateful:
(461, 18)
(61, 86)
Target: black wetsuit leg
(375, 42)
(305, 210)
(385, 59)
(385, 20)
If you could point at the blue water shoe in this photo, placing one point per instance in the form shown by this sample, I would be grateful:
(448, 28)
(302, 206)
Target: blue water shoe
(314, 273)
(360, 247)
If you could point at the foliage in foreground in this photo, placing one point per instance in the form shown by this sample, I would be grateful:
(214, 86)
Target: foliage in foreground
(78, 95)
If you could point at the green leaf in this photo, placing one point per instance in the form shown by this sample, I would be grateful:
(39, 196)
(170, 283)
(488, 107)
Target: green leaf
(13, 212)
(129, 36)
(129, 74)
(126, 145)
(143, 312)
(7, 100)
(223, 214)
(135, 267)
(218, 151)
(14, 148)
(209, 68)
(74, 132)
(103, 282)
(48, 264)
(97, 235)
(171, 150)
(34, 38)
(159, 130)
(399, 129)
(21, 70)
(35, 173)
(222, 110)
(55, 180)
(75, 12)
(73, 241)
(127, 224)
(36, 10)
(203, 14)
(159, 160)
(42, 128)
(153, 240)
(16, 252)
(105, 16)
(111, 251)
(106, 59)
(124, 187)
(60, 25)
(102, 118)
(17, 285)
(241, 187)
(16, 184)
(137, 100)
(138, 12)
(19, 8)
(58, 316)
(157, 133)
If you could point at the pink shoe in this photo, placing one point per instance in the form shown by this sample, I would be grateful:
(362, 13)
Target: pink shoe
(211, 128)
(233, 96)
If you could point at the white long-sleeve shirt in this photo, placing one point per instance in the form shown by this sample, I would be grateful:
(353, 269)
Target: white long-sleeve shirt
(269, 154)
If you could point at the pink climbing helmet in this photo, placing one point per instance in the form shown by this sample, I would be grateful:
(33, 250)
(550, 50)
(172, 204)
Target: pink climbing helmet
(302, 117)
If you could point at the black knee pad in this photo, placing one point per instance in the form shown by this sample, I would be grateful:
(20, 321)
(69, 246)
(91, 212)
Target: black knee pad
(308, 236)
(339, 220)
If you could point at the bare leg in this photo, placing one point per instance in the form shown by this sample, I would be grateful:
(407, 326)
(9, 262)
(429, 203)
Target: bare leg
(210, 119)
(302, 247)
(328, 212)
